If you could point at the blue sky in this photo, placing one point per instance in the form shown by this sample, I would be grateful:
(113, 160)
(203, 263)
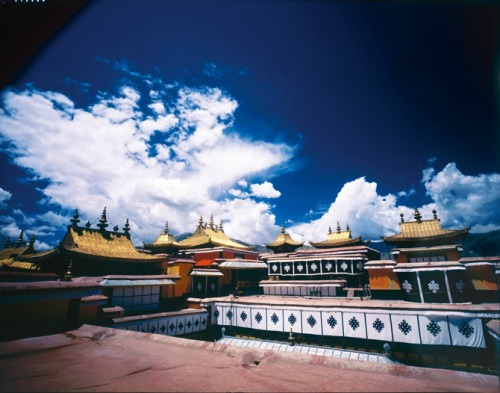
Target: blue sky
(261, 112)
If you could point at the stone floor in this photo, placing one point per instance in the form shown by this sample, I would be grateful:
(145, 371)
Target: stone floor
(100, 359)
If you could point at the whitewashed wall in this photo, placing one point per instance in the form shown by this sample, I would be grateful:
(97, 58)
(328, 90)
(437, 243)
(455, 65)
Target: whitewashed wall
(430, 328)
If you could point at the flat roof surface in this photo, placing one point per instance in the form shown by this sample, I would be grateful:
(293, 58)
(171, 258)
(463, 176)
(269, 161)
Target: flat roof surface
(101, 359)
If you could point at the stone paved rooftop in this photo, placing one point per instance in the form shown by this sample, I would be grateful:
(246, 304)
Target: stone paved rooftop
(93, 359)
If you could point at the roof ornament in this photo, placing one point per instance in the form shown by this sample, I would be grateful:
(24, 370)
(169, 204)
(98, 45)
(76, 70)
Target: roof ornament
(126, 229)
(69, 273)
(402, 217)
(200, 221)
(338, 227)
(329, 229)
(165, 231)
(32, 240)
(20, 240)
(103, 221)
(115, 228)
(221, 228)
(283, 229)
(211, 221)
(347, 228)
(87, 224)
(7, 242)
(434, 214)
(76, 219)
(417, 215)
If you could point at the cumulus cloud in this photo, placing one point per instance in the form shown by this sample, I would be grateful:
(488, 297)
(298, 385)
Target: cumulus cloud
(463, 200)
(358, 205)
(142, 161)
(460, 200)
(265, 190)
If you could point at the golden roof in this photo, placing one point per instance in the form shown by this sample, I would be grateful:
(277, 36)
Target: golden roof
(425, 230)
(103, 244)
(337, 239)
(164, 239)
(284, 238)
(8, 255)
(210, 234)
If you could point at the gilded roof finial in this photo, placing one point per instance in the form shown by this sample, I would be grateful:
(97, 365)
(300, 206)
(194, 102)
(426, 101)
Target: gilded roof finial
(200, 221)
(87, 224)
(20, 240)
(103, 221)
(211, 221)
(338, 227)
(7, 242)
(434, 214)
(402, 217)
(329, 230)
(165, 231)
(347, 228)
(417, 215)
(69, 273)
(75, 220)
(126, 229)
(221, 228)
(283, 229)
(32, 240)
(115, 228)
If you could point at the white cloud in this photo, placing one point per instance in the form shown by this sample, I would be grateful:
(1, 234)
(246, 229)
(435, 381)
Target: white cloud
(4, 197)
(104, 155)
(359, 206)
(265, 190)
(463, 200)
(460, 201)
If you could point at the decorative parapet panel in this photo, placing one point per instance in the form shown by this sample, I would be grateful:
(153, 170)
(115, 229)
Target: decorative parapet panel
(429, 328)
(167, 324)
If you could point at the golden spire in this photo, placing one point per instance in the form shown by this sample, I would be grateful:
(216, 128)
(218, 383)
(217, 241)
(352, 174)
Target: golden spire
(283, 229)
(338, 227)
(347, 228)
(103, 221)
(221, 228)
(165, 231)
(329, 229)
(211, 221)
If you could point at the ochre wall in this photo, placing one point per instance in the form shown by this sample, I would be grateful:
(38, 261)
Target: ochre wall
(183, 285)
(481, 277)
(383, 279)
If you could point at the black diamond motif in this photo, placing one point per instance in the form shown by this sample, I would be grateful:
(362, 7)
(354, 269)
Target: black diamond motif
(216, 313)
(258, 317)
(311, 321)
(404, 326)
(243, 316)
(292, 319)
(203, 321)
(274, 318)
(196, 323)
(466, 329)
(229, 314)
(433, 328)
(332, 321)
(163, 328)
(180, 325)
(378, 325)
(189, 324)
(354, 323)
(171, 326)
(153, 329)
